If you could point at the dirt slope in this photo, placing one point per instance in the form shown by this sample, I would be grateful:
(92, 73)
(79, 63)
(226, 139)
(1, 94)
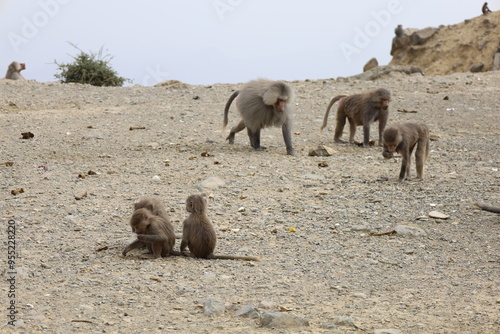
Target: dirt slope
(454, 48)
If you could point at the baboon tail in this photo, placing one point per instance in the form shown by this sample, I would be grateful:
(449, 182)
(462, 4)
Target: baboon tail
(325, 119)
(487, 207)
(231, 257)
(228, 104)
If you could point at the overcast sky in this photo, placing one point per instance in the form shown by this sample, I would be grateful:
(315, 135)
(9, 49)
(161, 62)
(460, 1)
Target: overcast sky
(216, 41)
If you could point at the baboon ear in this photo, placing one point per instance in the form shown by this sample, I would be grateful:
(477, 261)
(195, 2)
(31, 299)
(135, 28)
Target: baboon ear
(145, 216)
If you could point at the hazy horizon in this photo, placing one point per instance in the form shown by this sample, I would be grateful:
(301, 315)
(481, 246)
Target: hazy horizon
(216, 41)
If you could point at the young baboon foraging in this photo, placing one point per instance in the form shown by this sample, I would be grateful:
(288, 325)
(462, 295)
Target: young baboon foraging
(198, 233)
(360, 109)
(153, 231)
(402, 138)
(14, 71)
(487, 207)
(263, 103)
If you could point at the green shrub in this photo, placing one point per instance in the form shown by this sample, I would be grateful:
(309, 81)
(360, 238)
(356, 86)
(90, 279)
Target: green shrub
(90, 68)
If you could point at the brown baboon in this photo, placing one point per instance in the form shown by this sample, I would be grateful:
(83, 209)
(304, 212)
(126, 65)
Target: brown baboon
(402, 138)
(263, 103)
(154, 232)
(399, 31)
(360, 109)
(154, 205)
(485, 9)
(487, 207)
(14, 71)
(198, 233)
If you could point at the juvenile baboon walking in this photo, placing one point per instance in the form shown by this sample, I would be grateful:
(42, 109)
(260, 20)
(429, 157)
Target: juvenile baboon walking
(14, 71)
(198, 233)
(263, 103)
(402, 138)
(360, 109)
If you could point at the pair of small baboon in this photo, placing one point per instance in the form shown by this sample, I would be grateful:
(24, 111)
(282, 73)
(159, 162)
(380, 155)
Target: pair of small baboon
(151, 223)
(263, 103)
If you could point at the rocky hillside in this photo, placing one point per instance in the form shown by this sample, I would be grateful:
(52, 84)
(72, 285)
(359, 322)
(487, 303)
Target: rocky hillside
(450, 49)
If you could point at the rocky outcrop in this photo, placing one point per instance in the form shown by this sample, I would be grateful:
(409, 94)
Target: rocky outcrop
(449, 49)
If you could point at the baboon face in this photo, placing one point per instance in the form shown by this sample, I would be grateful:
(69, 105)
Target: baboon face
(141, 228)
(391, 147)
(279, 106)
(392, 138)
(382, 97)
(140, 221)
(384, 104)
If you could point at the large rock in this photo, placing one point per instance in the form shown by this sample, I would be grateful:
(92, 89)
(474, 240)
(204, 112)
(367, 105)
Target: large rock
(421, 36)
(372, 63)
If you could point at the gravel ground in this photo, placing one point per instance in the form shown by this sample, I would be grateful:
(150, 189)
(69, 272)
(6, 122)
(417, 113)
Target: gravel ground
(311, 226)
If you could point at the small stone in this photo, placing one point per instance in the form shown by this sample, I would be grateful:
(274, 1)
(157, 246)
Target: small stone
(321, 151)
(409, 230)
(343, 321)
(211, 183)
(438, 215)
(360, 228)
(359, 295)
(387, 331)
(477, 68)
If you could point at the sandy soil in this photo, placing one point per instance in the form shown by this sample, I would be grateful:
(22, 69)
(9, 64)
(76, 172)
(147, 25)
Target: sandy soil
(71, 276)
